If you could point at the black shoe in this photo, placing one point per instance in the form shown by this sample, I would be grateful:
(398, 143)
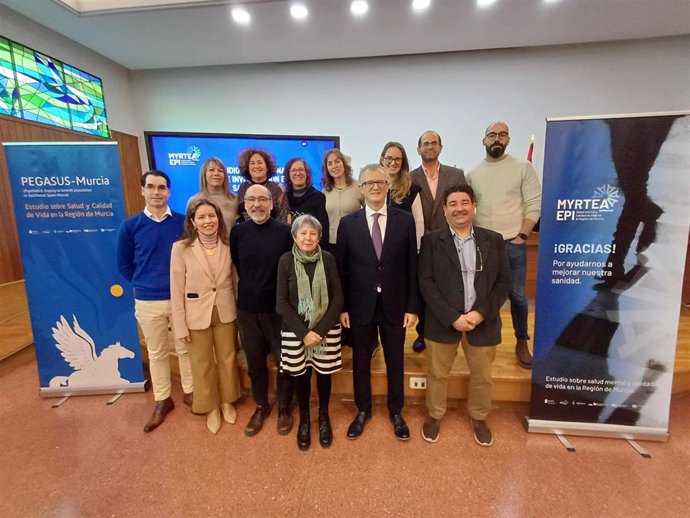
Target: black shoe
(482, 433)
(256, 421)
(357, 426)
(325, 431)
(418, 346)
(402, 432)
(304, 432)
(285, 420)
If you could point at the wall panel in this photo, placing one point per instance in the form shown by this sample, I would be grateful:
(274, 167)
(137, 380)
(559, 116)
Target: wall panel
(17, 130)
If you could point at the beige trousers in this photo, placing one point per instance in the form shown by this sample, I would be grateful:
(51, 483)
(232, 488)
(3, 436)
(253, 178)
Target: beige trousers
(154, 317)
(213, 354)
(440, 358)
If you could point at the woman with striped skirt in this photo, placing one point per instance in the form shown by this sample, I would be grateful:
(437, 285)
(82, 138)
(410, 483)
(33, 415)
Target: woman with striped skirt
(309, 298)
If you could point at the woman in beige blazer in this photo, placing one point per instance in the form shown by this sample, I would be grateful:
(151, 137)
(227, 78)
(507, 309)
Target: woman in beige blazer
(204, 311)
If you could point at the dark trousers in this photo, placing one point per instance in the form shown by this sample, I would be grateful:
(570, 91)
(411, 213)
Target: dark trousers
(303, 389)
(363, 339)
(260, 334)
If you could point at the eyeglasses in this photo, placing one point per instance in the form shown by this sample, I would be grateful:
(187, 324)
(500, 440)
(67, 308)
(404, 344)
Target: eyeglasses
(392, 160)
(493, 135)
(259, 199)
(479, 261)
(378, 183)
(298, 170)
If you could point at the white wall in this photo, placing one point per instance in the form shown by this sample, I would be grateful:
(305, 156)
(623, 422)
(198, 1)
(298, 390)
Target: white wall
(116, 79)
(370, 101)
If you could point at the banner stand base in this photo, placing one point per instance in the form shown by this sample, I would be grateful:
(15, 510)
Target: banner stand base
(639, 449)
(113, 399)
(59, 403)
(66, 392)
(611, 431)
(566, 443)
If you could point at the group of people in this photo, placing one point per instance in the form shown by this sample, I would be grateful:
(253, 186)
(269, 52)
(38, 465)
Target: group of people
(292, 271)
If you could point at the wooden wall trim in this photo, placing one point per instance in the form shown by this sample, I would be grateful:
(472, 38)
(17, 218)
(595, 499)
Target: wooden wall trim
(19, 130)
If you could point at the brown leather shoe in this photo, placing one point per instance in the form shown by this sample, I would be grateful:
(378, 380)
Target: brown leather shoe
(524, 357)
(256, 421)
(161, 409)
(285, 420)
(188, 399)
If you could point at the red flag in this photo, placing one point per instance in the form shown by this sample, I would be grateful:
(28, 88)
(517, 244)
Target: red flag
(531, 149)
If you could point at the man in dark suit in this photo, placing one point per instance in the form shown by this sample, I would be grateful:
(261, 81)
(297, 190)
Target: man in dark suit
(377, 258)
(433, 178)
(464, 277)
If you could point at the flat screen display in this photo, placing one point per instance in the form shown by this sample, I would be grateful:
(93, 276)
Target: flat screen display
(181, 155)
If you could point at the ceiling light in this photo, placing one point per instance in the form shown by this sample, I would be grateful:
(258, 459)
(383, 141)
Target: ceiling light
(241, 16)
(359, 7)
(420, 5)
(298, 11)
(485, 3)
(551, 1)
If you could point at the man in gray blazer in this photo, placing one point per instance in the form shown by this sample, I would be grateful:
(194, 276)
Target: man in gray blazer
(464, 277)
(433, 178)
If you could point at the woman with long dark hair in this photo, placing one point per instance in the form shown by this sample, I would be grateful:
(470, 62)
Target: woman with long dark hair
(343, 195)
(204, 311)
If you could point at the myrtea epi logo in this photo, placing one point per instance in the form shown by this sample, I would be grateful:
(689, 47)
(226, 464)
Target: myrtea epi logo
(602, 201)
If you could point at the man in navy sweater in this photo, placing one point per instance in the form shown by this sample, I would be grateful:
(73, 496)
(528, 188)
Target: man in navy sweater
(144, 243)
(256, 246)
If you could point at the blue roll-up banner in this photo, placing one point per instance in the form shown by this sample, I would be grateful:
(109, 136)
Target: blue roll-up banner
(68, 206)
(612, 246)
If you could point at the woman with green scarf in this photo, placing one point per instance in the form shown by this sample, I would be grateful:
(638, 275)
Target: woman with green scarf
(309, 298)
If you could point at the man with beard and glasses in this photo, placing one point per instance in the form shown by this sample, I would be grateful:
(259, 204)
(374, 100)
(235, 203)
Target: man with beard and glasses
(464, 278)
(433, 178)
(256, 246)
(509, 202)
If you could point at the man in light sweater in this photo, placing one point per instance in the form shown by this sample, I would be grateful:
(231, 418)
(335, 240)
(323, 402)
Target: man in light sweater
(509, 202)
(144, 243)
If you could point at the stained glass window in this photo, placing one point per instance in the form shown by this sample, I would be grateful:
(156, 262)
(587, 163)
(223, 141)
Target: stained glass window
(36, 87)
(9, 95)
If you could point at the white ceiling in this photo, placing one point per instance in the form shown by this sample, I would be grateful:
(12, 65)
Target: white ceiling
(206, 35)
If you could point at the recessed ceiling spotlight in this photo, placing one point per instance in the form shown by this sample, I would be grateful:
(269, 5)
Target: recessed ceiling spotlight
(420, 5)
(485, 3)
(299, 11)
(551, 1)
(240, 15)
(359, 7)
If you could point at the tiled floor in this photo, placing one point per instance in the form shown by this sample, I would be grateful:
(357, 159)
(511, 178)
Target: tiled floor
(89, 459)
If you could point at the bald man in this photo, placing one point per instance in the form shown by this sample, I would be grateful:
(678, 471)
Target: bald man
(256, 246)
(509, 202)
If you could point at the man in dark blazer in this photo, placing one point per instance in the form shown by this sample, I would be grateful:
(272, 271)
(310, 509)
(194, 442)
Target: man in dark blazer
(433, 178)
(464, 277)
(377, 258)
